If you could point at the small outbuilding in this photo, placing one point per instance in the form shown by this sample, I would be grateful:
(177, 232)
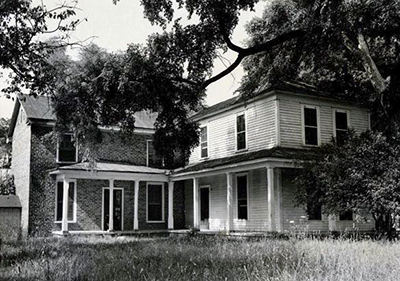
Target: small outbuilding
(10, 217)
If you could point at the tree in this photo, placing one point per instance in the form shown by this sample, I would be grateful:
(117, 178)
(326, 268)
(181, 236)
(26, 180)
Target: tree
(5, 147)
(362, 176)
(22, 51)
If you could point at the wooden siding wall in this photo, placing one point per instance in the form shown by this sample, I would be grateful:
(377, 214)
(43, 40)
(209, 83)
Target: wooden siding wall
(291, 123)
(260, 118)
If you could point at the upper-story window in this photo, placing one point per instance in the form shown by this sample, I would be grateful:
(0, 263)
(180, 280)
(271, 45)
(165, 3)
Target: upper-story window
(203, 142)
(241, 131)
(310, 125)
(152, 160)
(66, 148)
(341, 124)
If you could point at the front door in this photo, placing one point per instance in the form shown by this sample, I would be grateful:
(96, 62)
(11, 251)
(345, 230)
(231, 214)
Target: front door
(118, 212)
(204, 207)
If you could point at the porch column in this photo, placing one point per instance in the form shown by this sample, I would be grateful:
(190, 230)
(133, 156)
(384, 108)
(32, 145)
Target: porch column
(196, 222)
(171, 205)
(229, 215)
(111, 212)
(136, 207)
(332, 222)
(271, 198)
(279, 214)
(64, 225)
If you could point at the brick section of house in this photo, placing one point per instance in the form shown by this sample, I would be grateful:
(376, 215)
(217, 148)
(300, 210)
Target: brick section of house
(89, 192)
(20, 162)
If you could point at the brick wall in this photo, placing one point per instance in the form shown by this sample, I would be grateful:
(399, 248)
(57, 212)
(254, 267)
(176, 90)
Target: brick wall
(20, 166)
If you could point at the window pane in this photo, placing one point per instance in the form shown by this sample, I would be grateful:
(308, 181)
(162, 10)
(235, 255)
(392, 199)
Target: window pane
(242, 197)
(204, 150)
(66, 149)
(310, 117)
(241, 141)
(60, 191)
(311, 135)
(240, 123)
(203, 134)
(154, 202)
(341, 120)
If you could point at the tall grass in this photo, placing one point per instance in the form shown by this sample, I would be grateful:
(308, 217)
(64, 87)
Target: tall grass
(198, 258)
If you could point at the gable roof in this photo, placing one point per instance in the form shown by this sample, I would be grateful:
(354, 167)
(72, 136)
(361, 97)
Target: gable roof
(40, 109)
(292, 87)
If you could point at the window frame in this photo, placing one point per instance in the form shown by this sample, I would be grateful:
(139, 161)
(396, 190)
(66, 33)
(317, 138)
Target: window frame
(122, 207)
(58, 149)
(74, 216)
(207, 141)
(237, 196)
(334, 110)
(243, 113)
(303, 126)
(162, 202)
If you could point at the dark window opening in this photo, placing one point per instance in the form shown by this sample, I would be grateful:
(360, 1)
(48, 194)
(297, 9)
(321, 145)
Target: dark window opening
(314, 211)
(341, 126)
(204, 142)
(310, 126)
(241, 132)
(66, 148)
(242, 197)
(152, 159)
(154, 202)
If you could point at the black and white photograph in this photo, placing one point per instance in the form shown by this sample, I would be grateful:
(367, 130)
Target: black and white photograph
(200, 140)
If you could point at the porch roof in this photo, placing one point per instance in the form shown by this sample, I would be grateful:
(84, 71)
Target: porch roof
(104, 170)
(277, 153)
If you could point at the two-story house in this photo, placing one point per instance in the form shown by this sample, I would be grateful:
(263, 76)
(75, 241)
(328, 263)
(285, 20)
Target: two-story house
(239, 178)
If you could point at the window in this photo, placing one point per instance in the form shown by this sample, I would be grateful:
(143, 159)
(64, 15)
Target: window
(314, 211)
(240, 132)
(152, 160)
(242, 197)
(340, 125)
(66, 151)
(155, 202)
(346, 216)
(203, 142)
(310, 119)
(71, 201)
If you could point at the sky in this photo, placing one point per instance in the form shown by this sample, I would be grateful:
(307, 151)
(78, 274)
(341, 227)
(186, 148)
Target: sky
(114, 27)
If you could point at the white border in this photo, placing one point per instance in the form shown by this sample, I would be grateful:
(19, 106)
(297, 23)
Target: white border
(208, 143)
(248, 196)
(74, 204)
(76, 149)
(303, 106)
(244, 113)
(334, 110)
(162, 202)
(102, 206)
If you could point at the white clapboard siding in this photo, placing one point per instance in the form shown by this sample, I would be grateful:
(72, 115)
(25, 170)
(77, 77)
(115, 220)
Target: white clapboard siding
(291, 124)
(260, 118)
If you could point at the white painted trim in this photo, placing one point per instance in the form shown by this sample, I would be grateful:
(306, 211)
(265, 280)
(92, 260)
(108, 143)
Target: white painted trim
(271, 198)
(196, 216)
(102, 206)
(248, 196)
(279, 203)
(277, 123)
(229, 200)
(114, 175)
(74, 220)
(209, 199)
(244, 113)
(303, 106)
(208, 143)
(334, 110)
(162, 202)
(76, 149)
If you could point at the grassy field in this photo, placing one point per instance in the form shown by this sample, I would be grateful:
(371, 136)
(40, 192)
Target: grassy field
(202, 258)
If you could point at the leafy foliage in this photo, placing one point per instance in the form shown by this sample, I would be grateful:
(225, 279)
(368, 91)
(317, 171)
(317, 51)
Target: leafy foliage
(5, 148)
(362, 175)
(7, 186)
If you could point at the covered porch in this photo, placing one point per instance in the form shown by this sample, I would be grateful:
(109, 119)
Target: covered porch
(112, 198)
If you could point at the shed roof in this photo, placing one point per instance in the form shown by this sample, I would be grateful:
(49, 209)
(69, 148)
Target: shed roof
(113, 167)
(9, 201)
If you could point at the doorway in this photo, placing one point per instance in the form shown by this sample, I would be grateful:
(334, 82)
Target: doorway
(204, 207)
(118, 208)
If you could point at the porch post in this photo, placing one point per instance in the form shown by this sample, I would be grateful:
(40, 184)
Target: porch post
(229, 215)
(111, 212)
(279, 215)
(271, 199)
(332, 222)
(196, 223)
(136, 207)
(171, 205)
(64, 225)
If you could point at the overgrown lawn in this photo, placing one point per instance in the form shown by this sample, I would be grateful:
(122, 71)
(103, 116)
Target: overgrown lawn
(198, 258)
